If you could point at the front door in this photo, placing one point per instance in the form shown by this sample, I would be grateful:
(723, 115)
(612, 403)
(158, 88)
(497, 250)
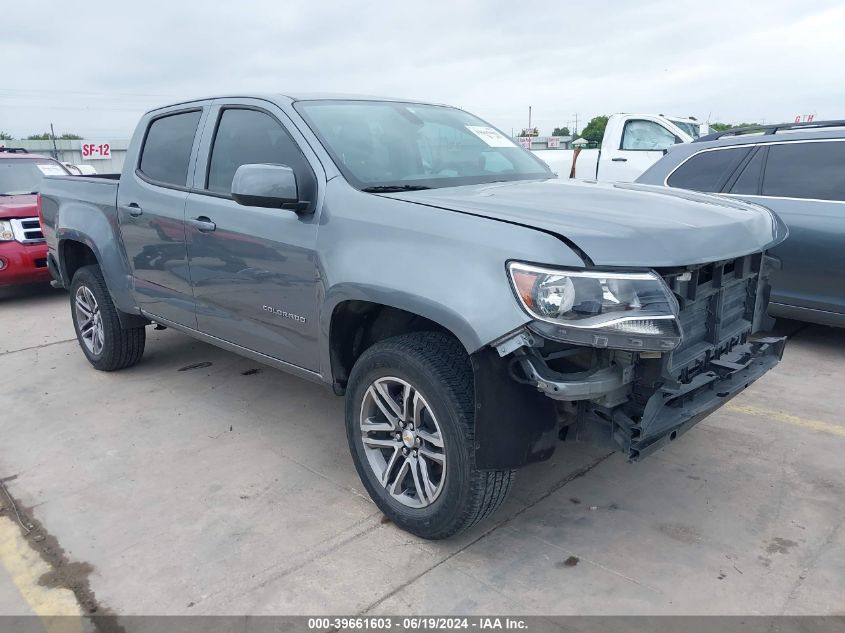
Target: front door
(151, 212)
(253, 269)
(643, 144)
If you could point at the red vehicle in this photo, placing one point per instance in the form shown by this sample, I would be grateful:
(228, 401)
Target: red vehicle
(23, 252)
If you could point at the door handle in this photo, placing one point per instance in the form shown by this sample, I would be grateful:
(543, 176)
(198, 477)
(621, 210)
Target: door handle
(619, 160)
(134, 209)
(202, 224)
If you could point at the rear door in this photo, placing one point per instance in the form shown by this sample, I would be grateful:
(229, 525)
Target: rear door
(253, 269)
(803, 183)
(151, 211)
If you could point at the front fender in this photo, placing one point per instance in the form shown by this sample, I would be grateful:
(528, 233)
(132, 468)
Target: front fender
(446, 266)
(450, 268)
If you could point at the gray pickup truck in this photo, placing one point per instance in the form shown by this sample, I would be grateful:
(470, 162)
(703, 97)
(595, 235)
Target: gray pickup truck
(473, 309)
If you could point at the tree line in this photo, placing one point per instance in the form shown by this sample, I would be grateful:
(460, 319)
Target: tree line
(44, 136)
(594, 130)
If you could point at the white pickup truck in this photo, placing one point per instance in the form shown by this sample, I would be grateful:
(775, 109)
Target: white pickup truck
(631, 144)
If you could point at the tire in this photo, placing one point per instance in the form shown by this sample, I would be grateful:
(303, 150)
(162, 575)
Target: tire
(115, 347)
(436, 368)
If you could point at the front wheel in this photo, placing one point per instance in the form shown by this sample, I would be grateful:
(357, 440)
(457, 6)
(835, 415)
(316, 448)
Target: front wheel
(409, 421)
(107, 345)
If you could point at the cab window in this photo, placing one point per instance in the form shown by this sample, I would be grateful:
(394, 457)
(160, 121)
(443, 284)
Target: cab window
(246, 137)
(646, 135)
(167, 148)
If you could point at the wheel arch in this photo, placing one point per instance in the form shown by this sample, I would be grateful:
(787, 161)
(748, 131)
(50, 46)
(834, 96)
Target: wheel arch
(76, 252)
(354, 325)
(514, 423)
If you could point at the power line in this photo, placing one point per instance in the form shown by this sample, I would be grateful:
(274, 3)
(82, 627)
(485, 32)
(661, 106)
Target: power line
(108, 93)
(96, 108)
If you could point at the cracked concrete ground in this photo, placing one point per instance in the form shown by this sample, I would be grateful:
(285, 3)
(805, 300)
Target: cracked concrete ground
(223, 490)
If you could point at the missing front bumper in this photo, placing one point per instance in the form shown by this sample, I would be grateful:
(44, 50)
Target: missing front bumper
(606, 412)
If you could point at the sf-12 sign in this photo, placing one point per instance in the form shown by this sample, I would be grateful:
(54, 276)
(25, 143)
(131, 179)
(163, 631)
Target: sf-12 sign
(96, 151)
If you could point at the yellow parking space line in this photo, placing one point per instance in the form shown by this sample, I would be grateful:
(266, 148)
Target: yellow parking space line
(25, 567)
(788, 418)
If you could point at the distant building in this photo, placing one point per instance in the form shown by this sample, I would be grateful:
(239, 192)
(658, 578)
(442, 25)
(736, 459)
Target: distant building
(544, 142)
(71, 152)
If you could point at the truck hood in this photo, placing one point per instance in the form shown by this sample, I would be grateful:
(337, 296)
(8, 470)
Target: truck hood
(619, 224)
(23, 206)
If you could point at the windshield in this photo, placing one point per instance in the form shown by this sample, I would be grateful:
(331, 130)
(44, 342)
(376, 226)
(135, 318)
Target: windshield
(691, 128)
(384, 146)
(23, 175)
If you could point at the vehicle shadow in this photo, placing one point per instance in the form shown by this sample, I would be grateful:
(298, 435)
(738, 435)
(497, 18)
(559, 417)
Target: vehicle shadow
(812, 336)
(33, 293)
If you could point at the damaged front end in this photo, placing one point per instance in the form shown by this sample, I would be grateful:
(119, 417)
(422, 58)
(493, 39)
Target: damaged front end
(639, 386)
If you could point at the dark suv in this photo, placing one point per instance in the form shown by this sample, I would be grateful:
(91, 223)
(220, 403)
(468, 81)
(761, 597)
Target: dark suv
(798, 171)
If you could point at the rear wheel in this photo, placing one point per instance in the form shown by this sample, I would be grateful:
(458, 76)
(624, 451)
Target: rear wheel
(409, 421)
(106, 344)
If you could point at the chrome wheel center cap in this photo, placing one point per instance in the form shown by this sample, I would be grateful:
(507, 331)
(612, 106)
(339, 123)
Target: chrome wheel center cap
(408, 438)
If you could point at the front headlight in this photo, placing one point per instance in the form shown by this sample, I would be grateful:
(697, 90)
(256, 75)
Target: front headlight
(6, 231)
(634, 311)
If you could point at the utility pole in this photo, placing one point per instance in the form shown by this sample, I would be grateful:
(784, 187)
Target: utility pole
(53, 136)
(575, 131)
(529, 120)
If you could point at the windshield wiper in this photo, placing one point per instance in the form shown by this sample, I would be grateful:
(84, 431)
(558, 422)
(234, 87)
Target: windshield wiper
(393, 188)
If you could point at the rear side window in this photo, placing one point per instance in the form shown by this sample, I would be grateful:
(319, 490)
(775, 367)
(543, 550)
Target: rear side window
(246, 137)
(707, 171)
(748, 182)
(806, 170)
(167, 148)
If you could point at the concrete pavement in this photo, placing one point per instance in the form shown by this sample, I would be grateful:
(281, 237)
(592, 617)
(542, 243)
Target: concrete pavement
(218, 489)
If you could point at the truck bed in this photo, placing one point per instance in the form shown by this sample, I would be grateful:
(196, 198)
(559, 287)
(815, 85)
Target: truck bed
(98, 191)
(560, 162)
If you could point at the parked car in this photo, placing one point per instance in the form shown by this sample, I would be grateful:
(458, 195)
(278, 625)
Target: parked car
(631, 144)
(23, 252)
(798, 171)
(472, 307)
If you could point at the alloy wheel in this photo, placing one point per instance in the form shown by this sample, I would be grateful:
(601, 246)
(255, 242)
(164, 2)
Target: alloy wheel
(403, 442)
(89, 320)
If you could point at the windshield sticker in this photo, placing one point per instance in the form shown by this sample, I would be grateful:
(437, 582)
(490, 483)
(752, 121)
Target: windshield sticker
(492, 137)
(51, 170)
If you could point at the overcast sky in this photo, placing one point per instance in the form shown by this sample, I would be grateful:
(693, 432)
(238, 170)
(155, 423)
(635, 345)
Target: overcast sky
(93, 67)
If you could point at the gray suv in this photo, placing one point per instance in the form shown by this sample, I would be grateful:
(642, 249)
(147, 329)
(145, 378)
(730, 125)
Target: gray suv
(798, 171)
(472, 308)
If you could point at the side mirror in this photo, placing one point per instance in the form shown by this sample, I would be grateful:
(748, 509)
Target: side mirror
(272, 186)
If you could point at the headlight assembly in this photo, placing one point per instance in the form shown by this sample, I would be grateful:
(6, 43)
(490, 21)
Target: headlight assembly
(633, 311)
(6, 233)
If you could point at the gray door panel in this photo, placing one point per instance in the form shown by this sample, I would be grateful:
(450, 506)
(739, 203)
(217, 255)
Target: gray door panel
(813, 256)
(155, 247)
(151, 214)
(255, 278)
